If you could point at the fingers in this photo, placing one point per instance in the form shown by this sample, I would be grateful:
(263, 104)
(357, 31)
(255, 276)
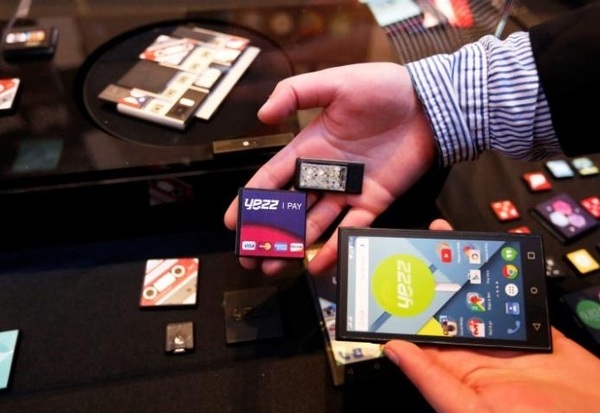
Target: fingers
(305, 91)
(276, 173)
(326, 258)
(318, 220)
(327, 255)
(320, 217)
(322, 214)
(230, 217)
(440, 225)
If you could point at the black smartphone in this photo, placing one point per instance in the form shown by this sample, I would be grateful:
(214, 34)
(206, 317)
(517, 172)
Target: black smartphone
(349, 361)
(475, 289)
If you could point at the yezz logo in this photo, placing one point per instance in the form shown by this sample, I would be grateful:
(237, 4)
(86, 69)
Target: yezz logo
(257, 204)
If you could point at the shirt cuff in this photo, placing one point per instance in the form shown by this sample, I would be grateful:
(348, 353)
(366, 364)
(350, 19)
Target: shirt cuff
(485, 96)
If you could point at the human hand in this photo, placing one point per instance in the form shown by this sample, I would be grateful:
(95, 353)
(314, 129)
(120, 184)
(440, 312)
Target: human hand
(370, 114)
(461, 380)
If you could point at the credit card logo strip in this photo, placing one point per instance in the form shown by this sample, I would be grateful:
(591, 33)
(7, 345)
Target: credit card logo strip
(294, 247)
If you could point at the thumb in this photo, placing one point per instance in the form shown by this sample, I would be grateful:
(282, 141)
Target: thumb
(304, 91)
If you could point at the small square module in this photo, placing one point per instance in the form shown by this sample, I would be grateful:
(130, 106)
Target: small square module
(9, 89)
(329, 175)
(536, 181)
(271, 223)
(505, 210)
(252, 314)
(582, 261)
(170, 282)
(8, 346)
(179, 337)
(559, 169)
(564, 217)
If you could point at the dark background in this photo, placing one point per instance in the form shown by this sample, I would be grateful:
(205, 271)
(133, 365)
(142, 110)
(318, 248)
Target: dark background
(76, 237)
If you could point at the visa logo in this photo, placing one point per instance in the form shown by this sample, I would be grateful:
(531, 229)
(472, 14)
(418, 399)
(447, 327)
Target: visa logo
(296, 246)
(248, 245)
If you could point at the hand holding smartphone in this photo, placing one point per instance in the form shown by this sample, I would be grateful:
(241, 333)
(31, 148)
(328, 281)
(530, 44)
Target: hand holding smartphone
(443, 287)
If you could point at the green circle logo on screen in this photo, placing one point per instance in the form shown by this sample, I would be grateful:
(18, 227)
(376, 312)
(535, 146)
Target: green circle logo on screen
(508, 253)
(403, 285)
(589, 313)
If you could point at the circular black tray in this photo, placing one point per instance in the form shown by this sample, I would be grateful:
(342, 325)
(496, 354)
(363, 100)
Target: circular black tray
(235, 117)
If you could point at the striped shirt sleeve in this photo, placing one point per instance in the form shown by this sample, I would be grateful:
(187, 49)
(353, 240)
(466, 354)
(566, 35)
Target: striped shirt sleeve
(486, 96)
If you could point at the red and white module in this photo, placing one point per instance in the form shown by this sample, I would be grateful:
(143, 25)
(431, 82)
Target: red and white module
(8, 93)
(170, 282)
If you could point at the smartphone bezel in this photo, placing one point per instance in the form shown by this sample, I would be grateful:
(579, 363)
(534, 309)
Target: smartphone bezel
(538, 330)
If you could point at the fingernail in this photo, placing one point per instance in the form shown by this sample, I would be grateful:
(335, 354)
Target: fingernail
(390, 354)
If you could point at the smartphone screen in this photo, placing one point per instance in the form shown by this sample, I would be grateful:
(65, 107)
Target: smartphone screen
(443, 287)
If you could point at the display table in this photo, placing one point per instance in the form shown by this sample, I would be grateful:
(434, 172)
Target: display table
(466, 201)
(86, 345)
(61, 135)
(71, 273)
